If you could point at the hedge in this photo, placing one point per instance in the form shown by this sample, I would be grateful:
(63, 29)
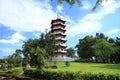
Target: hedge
(66, 75)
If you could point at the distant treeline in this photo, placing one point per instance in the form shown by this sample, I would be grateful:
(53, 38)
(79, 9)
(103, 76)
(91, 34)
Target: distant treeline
(99, 49)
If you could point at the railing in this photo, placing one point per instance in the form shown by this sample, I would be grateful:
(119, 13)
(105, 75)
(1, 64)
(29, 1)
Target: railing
(60, 51)
(60, 38)
(59, 33)
(57, 23)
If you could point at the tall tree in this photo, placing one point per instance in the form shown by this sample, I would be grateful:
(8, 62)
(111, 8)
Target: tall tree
(84, 47)
(111, 40)
(41, 53)
(103, 49)
(42, 42)
(33, 46)
(50, 44)
(101, 36)
(115, 58)
(15, 59)
(17, 56)
(29, 48)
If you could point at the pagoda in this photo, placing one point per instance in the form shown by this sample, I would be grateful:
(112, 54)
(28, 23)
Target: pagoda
(58, 29)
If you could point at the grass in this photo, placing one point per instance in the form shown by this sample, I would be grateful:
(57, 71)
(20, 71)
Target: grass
(76, 66)
(88, 67)
(16, 70)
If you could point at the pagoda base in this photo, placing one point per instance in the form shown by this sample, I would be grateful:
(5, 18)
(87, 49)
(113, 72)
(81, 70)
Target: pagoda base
(62, 58)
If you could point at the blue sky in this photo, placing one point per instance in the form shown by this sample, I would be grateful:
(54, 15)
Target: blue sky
(24, 19)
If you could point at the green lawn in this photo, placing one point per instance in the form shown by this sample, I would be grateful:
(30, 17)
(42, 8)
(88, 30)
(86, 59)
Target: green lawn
(76, 66)
(88, 67)
(17, 70)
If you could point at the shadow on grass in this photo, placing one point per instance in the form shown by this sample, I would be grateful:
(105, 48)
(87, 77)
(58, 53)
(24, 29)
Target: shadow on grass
(110, 66)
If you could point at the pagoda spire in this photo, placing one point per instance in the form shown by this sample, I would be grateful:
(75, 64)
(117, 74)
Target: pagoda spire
(46, 30)
(57, 16)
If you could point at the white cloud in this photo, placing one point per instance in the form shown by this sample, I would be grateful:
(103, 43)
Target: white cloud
(86, 5)
(92, 22)
(59, 8)
(83, 28)
(112, 32)
(6, 50)
(15, 38)
(27, 15)
(37, 34)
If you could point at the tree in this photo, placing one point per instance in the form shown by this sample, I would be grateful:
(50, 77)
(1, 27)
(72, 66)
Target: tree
(111, 40)
(41, 61)
(17, 56)
(115, 57)
(103, 49)
(14, 60)
(50, 46)
(29, 48)
(33, 46)
(70, 2)
(48, 42)
(101, 36)
(71, 52)
(84, 47)
(42, 42)
(79, 2)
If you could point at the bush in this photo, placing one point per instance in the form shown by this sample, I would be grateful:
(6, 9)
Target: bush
(10, 66)
(67, 63)
(18, 65)
(65, 75)
(15, 71)
(28, 72)
(54, 67)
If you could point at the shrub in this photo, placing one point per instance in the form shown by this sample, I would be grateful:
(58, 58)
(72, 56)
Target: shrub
(54, 67)
(15, 71)
(28, 72)
(22, 78)
(18, 65)
(10, 66)
(67, 63)
(66, 75)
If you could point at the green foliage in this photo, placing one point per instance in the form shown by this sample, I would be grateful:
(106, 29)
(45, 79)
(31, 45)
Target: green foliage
(115, 57)
(40, 57)
(67, 63)
(65, 75)
(13, 60)
(36, 51)
(32, 52)
(103, 49)
(50, 44)
(79, 2)
(71, 52)
(11, 66)
(33, 73)
(84, 47)
(29, 50)
(88, 67)
(71, 2)
(16, 71)
(100, 47)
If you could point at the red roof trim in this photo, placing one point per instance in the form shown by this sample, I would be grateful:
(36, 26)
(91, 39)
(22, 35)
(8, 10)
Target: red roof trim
(62, 40)
(58, 19)
(62, 25)
(59, 29)
(61, 34)
(60, 52)
(63, 46)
